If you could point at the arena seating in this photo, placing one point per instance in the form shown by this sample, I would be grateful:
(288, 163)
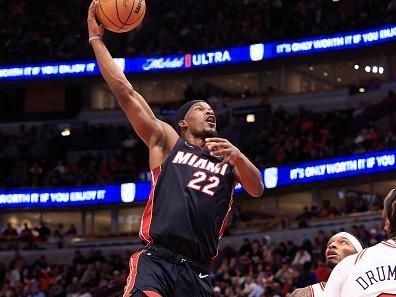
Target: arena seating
(38, 156)
(59, 31)
(263, 263)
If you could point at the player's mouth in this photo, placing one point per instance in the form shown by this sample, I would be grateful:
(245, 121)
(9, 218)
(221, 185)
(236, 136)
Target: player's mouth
(331, 255)
(211, 120)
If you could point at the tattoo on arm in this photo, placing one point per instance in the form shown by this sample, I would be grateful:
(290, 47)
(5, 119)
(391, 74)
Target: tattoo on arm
(304, 292)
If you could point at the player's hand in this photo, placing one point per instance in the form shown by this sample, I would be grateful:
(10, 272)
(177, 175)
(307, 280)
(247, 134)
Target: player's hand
(221, 147)
(94, 29)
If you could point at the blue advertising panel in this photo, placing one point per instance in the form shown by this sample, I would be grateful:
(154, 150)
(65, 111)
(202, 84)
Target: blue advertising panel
(354, 165)
(78, 196)
(331, 42)
(202, 59)
(81, 196)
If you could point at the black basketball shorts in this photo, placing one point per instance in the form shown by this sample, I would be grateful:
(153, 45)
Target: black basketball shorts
(168, 276)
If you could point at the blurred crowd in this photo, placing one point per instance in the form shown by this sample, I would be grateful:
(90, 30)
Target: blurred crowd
(87, 275)
(106, 153)
(351, 202)
(31, 238)
(259, 268)
(46, 30)
(285, 137)
(40, 156)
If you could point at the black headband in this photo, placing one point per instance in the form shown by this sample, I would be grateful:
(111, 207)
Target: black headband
(181, 113)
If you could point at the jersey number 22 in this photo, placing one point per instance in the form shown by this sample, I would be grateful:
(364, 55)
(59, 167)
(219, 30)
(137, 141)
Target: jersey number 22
(204, 183)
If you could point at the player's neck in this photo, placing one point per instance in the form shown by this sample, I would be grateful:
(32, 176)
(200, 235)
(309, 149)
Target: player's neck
(198, 142)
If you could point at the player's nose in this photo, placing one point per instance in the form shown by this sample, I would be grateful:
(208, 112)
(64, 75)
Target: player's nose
(332, 245)
(209, 111)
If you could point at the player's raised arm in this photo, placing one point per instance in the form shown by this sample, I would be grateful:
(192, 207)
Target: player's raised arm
(244, 170)
(152, 131)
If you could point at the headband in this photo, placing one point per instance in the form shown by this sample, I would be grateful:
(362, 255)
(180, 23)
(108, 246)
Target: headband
(352, 239)
(181, 113)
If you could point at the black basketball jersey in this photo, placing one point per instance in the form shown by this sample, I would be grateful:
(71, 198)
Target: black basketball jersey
(189, 201)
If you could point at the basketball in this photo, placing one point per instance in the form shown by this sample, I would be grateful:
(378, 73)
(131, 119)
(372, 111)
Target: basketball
(120, 15)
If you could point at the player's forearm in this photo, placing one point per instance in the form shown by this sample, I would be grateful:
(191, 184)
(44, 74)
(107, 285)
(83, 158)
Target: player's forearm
(304, 292)
(250, 176)
(112, 74)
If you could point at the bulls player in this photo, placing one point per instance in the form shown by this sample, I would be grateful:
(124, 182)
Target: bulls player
(372, 272)
(339, 246)
(194, 173)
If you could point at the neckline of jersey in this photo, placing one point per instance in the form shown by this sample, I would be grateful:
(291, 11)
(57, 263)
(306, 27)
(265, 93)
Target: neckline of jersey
(390, 242)
(194, 146)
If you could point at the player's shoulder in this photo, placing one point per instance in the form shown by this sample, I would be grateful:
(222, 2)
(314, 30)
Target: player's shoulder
(359, 256)
(372, 251)
(387, 244)
(317, 289)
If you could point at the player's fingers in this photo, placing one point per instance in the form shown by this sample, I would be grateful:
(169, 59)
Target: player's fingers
(217, 153)
(216, 139)
(92, 5)
(225, 160)
(212, 145)
(92, 8)
(217, 145)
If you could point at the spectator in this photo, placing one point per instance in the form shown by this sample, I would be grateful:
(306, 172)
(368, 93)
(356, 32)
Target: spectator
(246, 248)
(304, 217)
(72, 230)
(74, 289)
(27, 236)
(44, 232)
(301, 258)
(58, 235)
(322, 272)
(10, 231)
(307, 277)
(36, 292)
(252, 289)
(286, 274)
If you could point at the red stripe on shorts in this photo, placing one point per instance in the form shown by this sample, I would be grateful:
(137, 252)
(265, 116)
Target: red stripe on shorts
(133, 263)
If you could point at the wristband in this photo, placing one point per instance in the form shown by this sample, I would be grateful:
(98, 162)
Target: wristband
(95, 37)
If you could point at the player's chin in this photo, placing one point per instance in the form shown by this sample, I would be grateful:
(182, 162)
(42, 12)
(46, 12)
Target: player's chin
(332, 263)
(210, 132)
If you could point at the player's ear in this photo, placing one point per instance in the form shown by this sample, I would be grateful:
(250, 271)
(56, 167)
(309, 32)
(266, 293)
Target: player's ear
(387, 225)
(182, 124)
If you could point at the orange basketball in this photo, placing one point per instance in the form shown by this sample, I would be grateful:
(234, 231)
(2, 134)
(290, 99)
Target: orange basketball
(120, 15)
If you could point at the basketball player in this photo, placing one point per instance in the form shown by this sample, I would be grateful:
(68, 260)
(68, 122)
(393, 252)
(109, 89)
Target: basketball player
(339, 246)
(194, 173)
(372, 272)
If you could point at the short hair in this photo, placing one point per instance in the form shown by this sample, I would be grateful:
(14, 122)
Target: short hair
(390, 208)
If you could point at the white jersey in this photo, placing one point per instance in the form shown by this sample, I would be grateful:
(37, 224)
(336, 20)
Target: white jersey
(370, 273)
(317, 290)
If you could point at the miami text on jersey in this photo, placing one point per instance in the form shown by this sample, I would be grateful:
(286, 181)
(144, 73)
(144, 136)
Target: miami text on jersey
(198, 162)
